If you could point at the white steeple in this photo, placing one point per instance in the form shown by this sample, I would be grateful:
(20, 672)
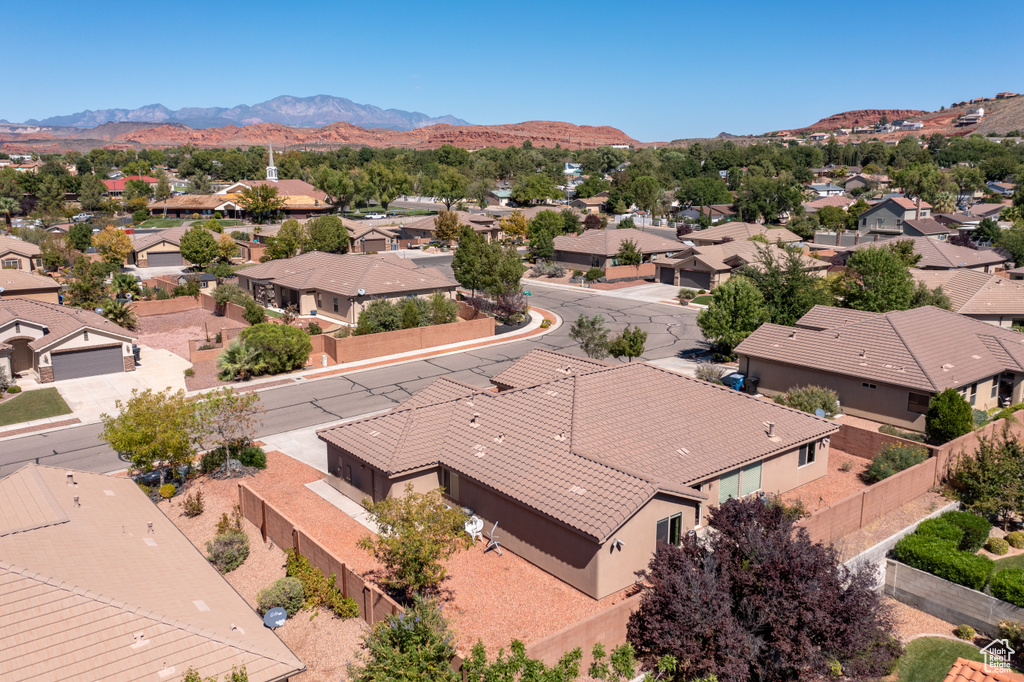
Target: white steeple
(272, 169)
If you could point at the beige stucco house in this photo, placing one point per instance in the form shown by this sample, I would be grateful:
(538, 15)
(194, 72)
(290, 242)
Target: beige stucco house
(988, 298)
(705, 267)
(576, 484)
(17, 254)
(25, 284)
(598, 248)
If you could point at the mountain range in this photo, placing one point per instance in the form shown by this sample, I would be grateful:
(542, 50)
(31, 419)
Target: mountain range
(297, 112)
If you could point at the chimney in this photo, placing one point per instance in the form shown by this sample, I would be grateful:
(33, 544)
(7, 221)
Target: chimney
(918, 215)
(771, 429)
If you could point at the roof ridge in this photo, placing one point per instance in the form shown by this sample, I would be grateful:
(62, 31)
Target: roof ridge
(405, 435)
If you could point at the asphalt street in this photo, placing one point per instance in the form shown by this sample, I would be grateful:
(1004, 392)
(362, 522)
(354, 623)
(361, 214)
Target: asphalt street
(670, 332)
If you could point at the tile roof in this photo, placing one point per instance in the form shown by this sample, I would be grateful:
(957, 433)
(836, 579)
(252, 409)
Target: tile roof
(925, 349)
(89, 593)
(540, 366)
(740, 231)
(821, 202)
(608, 242)
(171, 234)
(18, 246)
(731, 255)
(573, 449)
(59, 320)
(439, 391)
(908, 204)
(347, 273)
(928, 226)
(119, 184)
(285, 188)
(13, 281)
(986, 210)
(194, 201)
(975, 671)
(942, 255)
(975, 293)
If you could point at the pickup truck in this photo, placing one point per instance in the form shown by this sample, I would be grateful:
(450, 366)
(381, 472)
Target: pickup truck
(82, 217)
(375, 216)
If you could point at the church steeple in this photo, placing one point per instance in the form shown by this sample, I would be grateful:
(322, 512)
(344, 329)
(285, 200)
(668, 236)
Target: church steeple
(272, 169)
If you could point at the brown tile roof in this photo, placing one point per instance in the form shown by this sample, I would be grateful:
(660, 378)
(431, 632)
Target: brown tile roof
(191, 201)
(986, 210)
(909, 204)
(944, 256)
(285, 188)
(607, 242)
(573, 448)
(975, 293)
(18, 246)
(439, 391)
(974, 671)
(13, 281)
(731, 255)
(540, 366)
(171, 234)
(347, 273)
(928, 226)
(365, 230)
(741, 231)
(89, 593)
(818, 204)
(59, 320)
(926, 349)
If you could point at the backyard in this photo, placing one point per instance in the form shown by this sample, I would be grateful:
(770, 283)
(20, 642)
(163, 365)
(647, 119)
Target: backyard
(929, 659)
(29, 405)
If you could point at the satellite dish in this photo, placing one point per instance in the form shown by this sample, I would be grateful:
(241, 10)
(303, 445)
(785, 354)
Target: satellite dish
(275, 617)
(128, 296)
(819, 412)
(362, 292)
(98, 311)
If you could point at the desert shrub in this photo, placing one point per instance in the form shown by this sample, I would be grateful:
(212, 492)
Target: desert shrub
(941, 528)
(577, 273)
(253, 313)
(13, 390)
(146, 490)
(997, 546)
(193, 504)
(286, 593)
(949, 417)
(976, 529)
(548, 269)
(1007, 411)
(890, 430)
(686, 294)
(5, 380)
(943, 559)
(189, 372)
(1008, 585)
(981, 417)
(847, 465)
(228, 551)
(167, 491)
(279, 348)
(230, 523)
(313, 329)
(1015, 539)
(319, 590)
(206, 346)
(343, 333)
(810, 398)
(708, 371)
(965, 632)
(594, 274)
(1012, 631)
(253, 456)
(893, 459)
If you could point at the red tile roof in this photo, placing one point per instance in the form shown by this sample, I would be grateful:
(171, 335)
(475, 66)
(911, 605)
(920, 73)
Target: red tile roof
(974, 671)
(119, 184)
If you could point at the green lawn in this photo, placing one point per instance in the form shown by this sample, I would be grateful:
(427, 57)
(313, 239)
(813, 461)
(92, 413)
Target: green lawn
(929, 659)
(24, 407)
(704, 299)
(227, 222)
(272, 313)
(159, 222)
(1008, 562)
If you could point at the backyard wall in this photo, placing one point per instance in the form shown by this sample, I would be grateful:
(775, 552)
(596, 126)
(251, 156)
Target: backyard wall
(355, 348)
(864, 443)
(615, 273)
(166, 306)
(607, 627)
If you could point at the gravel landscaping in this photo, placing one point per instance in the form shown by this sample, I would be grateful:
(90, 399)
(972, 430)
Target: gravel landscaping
(833, 486)
(173, 331)
(890, 524)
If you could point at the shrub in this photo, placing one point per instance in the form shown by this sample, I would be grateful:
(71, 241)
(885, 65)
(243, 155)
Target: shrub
(14, 390)
(230, 523)
(949, 417)
(247, 455)
(319, 589)
(206, 346)
(976, 529)
(594, 274)
(893, 459)
(286, 593)
(707, 371)
(313, 329)
(253, 313)
(167, 491)
(1008, 585)
(1007, 411)
(941, 528)
(5, 381)
(1015, 539)
(146, 490)
(965, 632)
(545, 324)
(980, 417)
(847, 465)
(1012, 631)
(279, 348)
(253, 456)
(997, 546)
(228, 550)
(343, 333)
(891, 430)
(686, 294)
(943, 559)
(577, 273)
(810, 398)
(189, 372)
(193, 504)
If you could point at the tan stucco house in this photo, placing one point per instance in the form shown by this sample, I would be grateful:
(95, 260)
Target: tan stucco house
(705, 267)
(727, 232)
(598, 248)
(576, 483)
(158, 249)
(888, 366)
(989, 298)
(25, 284)
(17, 254)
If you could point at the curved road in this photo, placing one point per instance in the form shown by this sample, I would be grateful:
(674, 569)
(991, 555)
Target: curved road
(670, 332)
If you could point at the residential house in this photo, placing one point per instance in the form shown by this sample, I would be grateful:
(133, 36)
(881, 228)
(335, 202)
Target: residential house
(866, 181)
(589, 205)
(887, 217)
(501, 197)
(705, 267)
(1005, 188)
(158, 249)
(818, 137)
(739, 232)
(53, 342)
(17, 254)
(888, 366)
(716, 213)
(940, 255)
(206, 281)
(339, 285)
(826, 190)
(374, 239)
(423, 230)
(599, 248)
(1005, 95)
(815, 205)
(25, 284)
(958, 221)
(986, 297)
(911, 125)
(98, 584)
(115, 188)
(576, 484)
(983, 211)
(1016, 273)
(927, 227)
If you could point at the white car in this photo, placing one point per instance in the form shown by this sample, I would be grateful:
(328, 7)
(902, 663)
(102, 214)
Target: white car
(82, 217)
(375, 216)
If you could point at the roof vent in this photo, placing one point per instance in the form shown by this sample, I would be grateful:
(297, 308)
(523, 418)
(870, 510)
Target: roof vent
(792, 334)
(683, 451)
(374, 433)
(71, 478)
(235, 628)
(139, 640)
(165, 672)
(149, 527)
(479, 450)
(475, 421)
(771, 429)
(837, 335)
(552, 393)
(576, 490)
(500, 438)
(77, 503)
(864, 353)
(560, 436)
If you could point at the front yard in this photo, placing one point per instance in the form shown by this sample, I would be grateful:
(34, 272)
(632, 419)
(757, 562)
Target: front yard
(30, 405)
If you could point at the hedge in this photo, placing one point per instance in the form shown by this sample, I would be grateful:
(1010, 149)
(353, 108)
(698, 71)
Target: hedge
(997, 546)
(941, 558)
(1008, 585)
(1016, 539)
(894, 458)
(976, 529)
(941, 528)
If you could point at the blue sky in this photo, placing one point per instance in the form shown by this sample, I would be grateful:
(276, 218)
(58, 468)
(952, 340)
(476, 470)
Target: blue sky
(657, 70)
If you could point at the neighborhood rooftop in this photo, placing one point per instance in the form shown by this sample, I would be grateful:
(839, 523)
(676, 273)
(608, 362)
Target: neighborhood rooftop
(59, 320)
(608, 242)
(976, 293)
(943, 256)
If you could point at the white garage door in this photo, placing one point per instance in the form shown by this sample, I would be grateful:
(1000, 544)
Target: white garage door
(87, 362)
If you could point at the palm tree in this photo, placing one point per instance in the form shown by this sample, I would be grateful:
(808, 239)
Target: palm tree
(944, 202)
(240, 361)
(125, 283)
(120, 313)
(9, 207)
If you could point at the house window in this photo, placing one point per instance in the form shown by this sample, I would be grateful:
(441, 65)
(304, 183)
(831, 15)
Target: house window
(995, 387)
(867, 385)
(85, 335)
(729, 486)
(318, 304)
(808, 453)
(450, 483)
(918, 403)
(335, 304)
(669, 531)
(12, 264)
(204, 284)
(751, 478)
(973, 393)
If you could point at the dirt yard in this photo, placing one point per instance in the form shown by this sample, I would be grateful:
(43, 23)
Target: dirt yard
(174, 330)
(836, 485)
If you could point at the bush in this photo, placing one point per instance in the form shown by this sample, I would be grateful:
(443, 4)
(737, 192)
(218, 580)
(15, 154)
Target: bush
(976, 529)
(1007, 411)
(167, 491)
(189, 372)
(686, 294)
(1008, 585)
(146, 490)
(286, 593)
(943, 559)
(965, 632)
(949, 417)
(279, 348)
(1012, 631)
(810, 398)
(206, 346)
(230, 523)
(997, 546)
(253, 456)
(980, 417)
(193, 504)
(893, 459)
(707, 371)
(941, 528)
(890, 430)
(253, 313)
(14, 390)
(1015, 539)
(343, 333)
(313, 329)
(594, 274)
(319, 590)
(228, 550)
(247, 455)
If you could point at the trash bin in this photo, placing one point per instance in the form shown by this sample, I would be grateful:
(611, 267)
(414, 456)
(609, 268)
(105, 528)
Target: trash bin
(137, 352)
(752, 385)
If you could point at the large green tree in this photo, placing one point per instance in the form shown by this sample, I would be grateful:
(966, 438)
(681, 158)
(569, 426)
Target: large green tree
(474, 261)
(152, 429)
(628, 344)
(338, 185)
(646, 193)
(787, 285)
(535, 188)
(80, 236)
(592, 335)
(328, 234)
(198, 246)
(449, 186)
(877, 279)
(261, 202)
(388, 181)
(737, 308)
(629, 253)
(92, 193)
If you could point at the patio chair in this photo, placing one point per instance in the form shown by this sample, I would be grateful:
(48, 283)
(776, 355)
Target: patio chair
(493, 540)
(475, 526)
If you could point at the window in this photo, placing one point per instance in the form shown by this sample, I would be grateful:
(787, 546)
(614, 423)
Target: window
(85, 335)
(867, 385)
(669, 531)
(12, 264)
(995, 387)
(751, 478)
(450, 483)
(729, 486)
(918, 403)
(335, 304)
(973, 394)
(808, 453)
(204, 284)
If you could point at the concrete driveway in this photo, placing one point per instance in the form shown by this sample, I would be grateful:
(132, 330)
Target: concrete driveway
(90, 397)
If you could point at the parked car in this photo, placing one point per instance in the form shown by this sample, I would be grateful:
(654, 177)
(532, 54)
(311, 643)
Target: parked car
(82, 217)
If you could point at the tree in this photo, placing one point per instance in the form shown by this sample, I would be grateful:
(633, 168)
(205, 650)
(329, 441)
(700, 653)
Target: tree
(949, 416)
(136, 189)
(240, 361)
(756, 600)
(198, 246)
(113, 245)
(592, 222)
(415, 645)
(418, 533)
(474, 262)
(923, 296)
(49, 195)
(290, 239)
(629, 253)
(124, 283)
(835, 218)
(591, 186)
(629, 343)
(570, 221)
(261, 202)
(337, 185)
(152, 428)
(788, 287)
(279, 348)
(387, 182)
(80, 236)
(55, 251)
(447, 226)
(646, 192)
(120, 313)
(592, 336)
(1012, 241)
(85, 288)
(379, 316)
(514, 225)
(534, 188)
(163, 189)
(9, 207)
(226, 248)
(225, 418)
(988, 231)
(542, 244)
(328, 234)
(449, 186)
(877, 279)
(737, 308)
(991, 481)
(519, 666)
(767, 197)
(548, 221)
(508, 271)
